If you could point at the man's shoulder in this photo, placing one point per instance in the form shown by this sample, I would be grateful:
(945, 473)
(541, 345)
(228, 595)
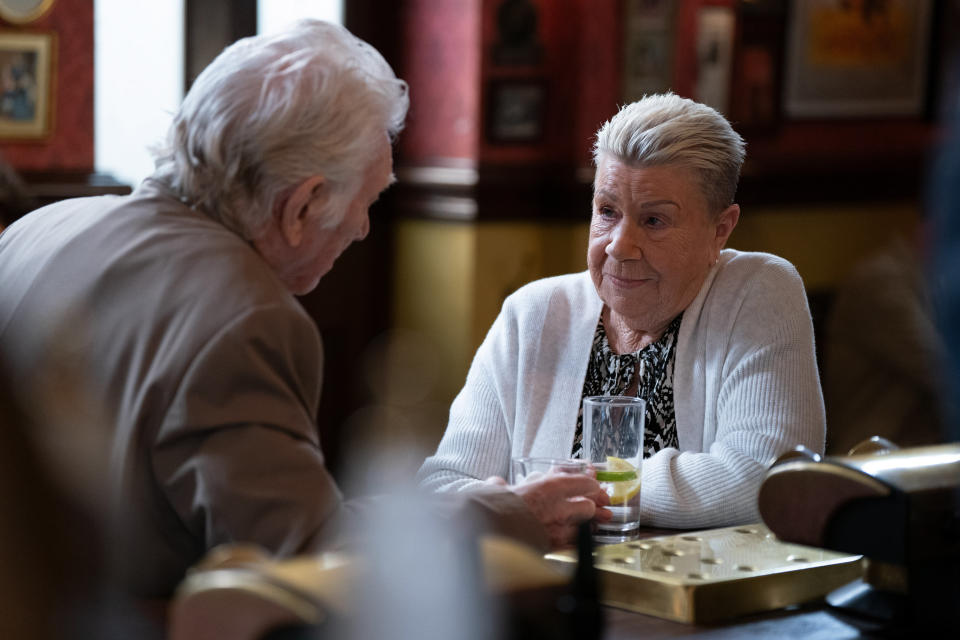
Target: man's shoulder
(144, 260)
(184, 248)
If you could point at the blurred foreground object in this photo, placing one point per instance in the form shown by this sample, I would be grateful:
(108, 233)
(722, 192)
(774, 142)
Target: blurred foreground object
(883, 368)
(237, 594)
(710, 576)
(898, 507)
(38, 577)
(943, 194)
(53, 582)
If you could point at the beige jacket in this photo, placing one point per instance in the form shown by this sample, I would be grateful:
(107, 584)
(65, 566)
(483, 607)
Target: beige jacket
(207, 370)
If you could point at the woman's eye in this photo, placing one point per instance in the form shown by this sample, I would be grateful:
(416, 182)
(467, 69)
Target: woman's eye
(654, 222)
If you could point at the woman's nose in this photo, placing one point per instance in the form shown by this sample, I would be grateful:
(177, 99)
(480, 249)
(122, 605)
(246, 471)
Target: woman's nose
(624, 241)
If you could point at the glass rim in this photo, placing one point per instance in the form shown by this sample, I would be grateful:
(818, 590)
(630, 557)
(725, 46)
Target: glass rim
(572, 462)
(614, 400)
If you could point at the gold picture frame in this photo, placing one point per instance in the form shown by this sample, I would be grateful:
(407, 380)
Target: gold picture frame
(848, 59)
(26, 84)
(24, 11)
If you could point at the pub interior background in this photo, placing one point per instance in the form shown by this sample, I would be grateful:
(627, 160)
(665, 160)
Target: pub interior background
(494, 164)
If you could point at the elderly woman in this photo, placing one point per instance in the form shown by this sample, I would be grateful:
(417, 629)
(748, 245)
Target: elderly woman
(719, 342)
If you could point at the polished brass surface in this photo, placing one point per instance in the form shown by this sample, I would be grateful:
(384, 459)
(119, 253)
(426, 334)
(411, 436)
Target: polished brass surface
(713, 575)
(304, 589)
(237, 583)
(913, 469)
(841, 473)
(232, 556)
(799, 452)
(308, 588)
(798, 497)
(872, 445)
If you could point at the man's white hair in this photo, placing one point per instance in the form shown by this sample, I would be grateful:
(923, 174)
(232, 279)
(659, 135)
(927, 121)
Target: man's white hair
(665, 129)
(273, 110)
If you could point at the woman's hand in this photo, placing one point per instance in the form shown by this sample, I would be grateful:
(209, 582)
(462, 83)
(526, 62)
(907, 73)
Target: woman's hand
(561, 501)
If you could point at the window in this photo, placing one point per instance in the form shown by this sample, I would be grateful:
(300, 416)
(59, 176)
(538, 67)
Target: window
(138, 82)
(139, 73)
(275, 14)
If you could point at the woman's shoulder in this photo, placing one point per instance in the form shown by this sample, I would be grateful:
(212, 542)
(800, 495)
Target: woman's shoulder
(737, 268)
(761, 288)
(574, 287)
(559, 310)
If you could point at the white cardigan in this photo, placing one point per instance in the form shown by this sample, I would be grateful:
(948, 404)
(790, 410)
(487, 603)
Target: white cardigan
(746, 389)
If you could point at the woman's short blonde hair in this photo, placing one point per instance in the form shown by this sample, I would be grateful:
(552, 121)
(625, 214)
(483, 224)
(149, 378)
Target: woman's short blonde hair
(665, 129)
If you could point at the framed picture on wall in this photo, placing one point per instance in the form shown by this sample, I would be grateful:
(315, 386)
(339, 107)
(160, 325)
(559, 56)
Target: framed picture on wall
(515, 110)
(857, 58)
(24, 11)
(715, 31)
(26, 69)
(648, 42)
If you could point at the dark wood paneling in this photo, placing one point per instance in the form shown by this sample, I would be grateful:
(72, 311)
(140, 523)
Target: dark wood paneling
(211, 25)
(351, 307)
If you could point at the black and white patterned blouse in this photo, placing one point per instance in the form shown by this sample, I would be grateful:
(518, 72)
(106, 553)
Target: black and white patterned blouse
(611, 374)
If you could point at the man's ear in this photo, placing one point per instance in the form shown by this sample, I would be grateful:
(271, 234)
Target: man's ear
(725, 224)
(294, 211)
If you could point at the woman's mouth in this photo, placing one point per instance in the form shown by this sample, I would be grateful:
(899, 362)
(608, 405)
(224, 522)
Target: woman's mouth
(627, 282)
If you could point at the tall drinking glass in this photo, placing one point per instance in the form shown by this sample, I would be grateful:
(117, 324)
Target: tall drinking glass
(613, 445)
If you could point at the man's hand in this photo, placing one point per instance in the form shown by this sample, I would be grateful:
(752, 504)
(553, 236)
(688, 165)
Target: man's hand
(560, 501)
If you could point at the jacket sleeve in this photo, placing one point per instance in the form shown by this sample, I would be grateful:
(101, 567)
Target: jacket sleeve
(767, 401)
(238, 455)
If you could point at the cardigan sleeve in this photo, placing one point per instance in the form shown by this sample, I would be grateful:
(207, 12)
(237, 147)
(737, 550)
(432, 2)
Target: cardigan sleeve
(476, 444)
(767, 401)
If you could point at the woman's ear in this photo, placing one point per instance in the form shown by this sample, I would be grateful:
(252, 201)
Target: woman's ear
(725, 224)
(294, 212)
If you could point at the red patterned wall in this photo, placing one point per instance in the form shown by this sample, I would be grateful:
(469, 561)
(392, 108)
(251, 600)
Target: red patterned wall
(70, 145)
(449, 64)
(598, 92)
(581, 68)
(441, 64)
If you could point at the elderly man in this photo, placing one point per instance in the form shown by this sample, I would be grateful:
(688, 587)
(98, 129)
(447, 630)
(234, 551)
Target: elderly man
(177, 306)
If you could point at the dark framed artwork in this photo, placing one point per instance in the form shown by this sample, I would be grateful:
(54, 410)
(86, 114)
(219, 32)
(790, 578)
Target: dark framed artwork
(515, 110)
(715, 33)
(755, 94)
(847, 59)
(649, 27)
(26, 70)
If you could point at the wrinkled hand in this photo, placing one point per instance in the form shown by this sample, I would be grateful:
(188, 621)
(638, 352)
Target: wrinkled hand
(560, 501)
